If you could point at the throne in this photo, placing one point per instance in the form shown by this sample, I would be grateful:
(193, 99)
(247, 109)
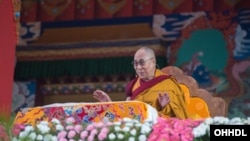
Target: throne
(200, 102)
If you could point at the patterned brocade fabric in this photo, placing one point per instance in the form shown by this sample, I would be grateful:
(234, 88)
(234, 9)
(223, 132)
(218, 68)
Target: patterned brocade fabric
(88, 112)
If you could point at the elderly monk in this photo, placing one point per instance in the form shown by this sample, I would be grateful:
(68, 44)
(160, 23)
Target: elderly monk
(152, 86)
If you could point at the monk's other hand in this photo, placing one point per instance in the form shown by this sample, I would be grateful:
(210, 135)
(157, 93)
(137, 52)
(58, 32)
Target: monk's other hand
(163, 99)
(101, 96)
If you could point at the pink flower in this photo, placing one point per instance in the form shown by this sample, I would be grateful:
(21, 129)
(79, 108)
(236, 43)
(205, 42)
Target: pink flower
(17, 128)
(70, 120)
(3, 135)
(90, 127)
(153, 137)
(99, 125)
(78, 128)
(61, 134)
(71, 134)
(69, 127)
(173, 129)
(63, 139)
(93, 132)
(91, 138)
(104, 130)
(83, 134)
(102, 136)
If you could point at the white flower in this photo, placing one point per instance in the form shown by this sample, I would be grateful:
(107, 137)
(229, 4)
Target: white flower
(131, 139)
(32, 136)
(236, 121)
(220, 120)
(129, 124)
(39, 137)
(23, 134)
(208, 121)
(112, 136)
(142, 138)
(48, 137)
(133, 132)
(120, 136)
(44, 129)
(148, 121)
(117, 128)
(138, 125)
(45, 123)
(145, 129)
(54, 138)
(117, 123)
(247, 121)
(59, 127)
(200, 130)
(14, 139)
(29, 128)
(125, 129)
(55, 121)
(127, 119)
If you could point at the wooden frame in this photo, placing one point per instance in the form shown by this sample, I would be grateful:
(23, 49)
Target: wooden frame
(217, 106)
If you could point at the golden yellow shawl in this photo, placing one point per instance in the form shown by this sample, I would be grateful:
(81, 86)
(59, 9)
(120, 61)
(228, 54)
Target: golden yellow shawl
(176, 107)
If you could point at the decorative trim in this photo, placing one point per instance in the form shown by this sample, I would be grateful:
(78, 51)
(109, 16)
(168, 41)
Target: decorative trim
(16, 10)
(87, 50)
(170, 4)
(55, 8)
(113, 7)
(83, 5)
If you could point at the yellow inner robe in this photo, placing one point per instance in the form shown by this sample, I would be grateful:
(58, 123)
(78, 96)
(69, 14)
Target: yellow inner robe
(176, 107)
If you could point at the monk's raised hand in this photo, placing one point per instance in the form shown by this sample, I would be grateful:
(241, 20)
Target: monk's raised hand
(163, 99)
(101, 96)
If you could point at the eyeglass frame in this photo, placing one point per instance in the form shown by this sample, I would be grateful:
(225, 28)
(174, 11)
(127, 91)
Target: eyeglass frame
(140, 62)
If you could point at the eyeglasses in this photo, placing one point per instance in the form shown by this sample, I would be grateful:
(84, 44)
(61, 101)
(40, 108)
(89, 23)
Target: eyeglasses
(140, 62)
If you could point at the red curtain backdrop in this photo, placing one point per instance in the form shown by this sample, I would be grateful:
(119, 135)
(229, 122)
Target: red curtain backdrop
(8, 42)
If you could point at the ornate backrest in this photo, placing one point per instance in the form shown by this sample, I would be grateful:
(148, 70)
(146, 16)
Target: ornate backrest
(217, 106)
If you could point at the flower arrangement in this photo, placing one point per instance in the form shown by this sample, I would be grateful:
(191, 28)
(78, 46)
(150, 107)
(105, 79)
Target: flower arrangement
(173, 129)
(125, 129)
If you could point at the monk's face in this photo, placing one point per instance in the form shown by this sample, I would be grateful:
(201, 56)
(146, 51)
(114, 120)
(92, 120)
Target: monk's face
(144, 65)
